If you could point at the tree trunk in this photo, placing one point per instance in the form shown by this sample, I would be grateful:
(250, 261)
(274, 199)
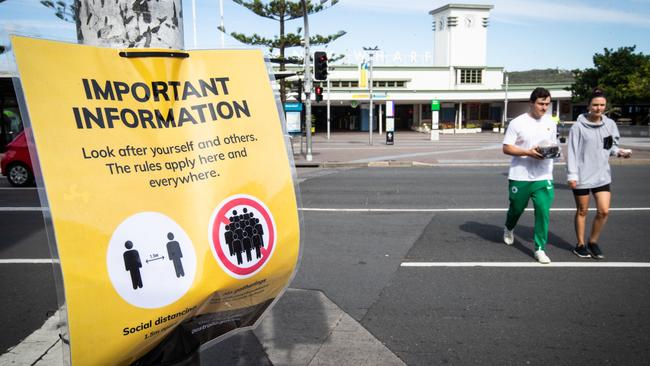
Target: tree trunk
(130, 23)
(283, 82)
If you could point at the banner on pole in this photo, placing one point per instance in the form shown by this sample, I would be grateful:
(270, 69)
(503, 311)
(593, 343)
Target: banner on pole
(169, 188)
(364, 67)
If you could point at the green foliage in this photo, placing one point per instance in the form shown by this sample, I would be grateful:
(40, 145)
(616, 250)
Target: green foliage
(63, 10)
(623, 74)
(538, 76)
(283, 11)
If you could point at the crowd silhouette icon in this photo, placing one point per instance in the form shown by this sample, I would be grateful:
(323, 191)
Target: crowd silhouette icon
(244, 235)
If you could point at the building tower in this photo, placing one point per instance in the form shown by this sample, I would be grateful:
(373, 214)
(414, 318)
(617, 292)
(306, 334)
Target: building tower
(460, 35)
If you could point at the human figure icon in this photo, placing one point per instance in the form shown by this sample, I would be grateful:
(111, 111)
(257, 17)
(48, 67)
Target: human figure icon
(260, 230)
(238, 230)
(228, 236)
(237, 247)
(132, 264)
(248, 246)
(257, 244)
(175, 254)
(249, 228)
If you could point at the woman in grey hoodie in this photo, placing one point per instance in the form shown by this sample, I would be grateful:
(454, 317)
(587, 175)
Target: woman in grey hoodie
(592, 140)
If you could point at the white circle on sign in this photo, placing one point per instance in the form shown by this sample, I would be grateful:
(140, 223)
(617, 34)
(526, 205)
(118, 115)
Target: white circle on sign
(242, 235)
(151, 260)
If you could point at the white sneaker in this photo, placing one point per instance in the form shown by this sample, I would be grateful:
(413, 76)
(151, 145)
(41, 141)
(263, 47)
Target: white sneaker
(508, 236)
(542, 257)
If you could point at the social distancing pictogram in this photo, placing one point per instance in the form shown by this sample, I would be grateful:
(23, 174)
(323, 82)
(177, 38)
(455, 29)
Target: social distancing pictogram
(242, 235)
(151, 261)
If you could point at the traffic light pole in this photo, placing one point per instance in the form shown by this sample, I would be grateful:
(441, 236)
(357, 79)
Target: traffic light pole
(307, 83)
(371, 106)
(328, 107)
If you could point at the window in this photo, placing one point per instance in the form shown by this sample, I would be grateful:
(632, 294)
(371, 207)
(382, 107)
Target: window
(335, 84)
(471, 76)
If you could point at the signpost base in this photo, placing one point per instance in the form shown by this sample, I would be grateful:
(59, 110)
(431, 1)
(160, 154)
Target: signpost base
(435, 135)
(390, 135)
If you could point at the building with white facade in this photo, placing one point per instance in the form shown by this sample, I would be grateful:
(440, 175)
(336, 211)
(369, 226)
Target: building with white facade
(471, 93)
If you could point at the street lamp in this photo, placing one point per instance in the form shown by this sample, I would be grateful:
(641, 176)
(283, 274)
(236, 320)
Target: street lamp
(371, 52)
(308, 83)
(505, 106)
(328, 102)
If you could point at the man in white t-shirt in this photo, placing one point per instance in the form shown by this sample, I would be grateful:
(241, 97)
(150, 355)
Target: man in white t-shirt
(530, 175)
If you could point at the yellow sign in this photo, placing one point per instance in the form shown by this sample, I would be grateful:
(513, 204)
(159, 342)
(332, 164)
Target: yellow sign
(169, 188)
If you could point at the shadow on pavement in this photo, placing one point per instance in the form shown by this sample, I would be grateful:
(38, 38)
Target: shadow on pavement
(489, 232)
(494, 233)
(242, 349)
(527, 233)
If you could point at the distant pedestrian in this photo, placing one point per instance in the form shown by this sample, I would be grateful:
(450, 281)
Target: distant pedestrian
(592, 140)
(555, 118)
(557, 121)
(530, 175)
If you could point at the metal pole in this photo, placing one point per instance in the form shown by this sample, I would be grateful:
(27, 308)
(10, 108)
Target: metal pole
(328, 105)
(223, 42)
(505, 106)
(194, 22)
(371, 107)
(307, 82)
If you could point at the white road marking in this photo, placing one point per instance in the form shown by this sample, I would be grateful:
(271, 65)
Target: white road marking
(428, 153)
(528, 264)
(29, 261)
(407, 210)
(10, 209)
(396, 210)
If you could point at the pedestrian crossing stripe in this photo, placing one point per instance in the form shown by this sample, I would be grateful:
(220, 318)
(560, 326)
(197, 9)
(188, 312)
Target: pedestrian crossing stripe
(425, 210)
(529, 264)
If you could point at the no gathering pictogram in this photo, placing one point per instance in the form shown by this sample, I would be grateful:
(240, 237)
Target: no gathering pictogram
(242, 233)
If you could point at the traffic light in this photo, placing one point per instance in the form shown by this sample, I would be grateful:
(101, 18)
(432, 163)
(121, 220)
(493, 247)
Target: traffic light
(320, 65)
(319, 93)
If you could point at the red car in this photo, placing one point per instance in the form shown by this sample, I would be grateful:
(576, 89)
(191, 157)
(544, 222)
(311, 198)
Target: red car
(16, 164)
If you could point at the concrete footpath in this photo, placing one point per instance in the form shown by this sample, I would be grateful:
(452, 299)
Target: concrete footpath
(286, 336)
(353, 149)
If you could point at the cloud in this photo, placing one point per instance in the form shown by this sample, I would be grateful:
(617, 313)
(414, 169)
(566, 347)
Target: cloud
(569, 12)
(36, 28)
(16, 25)
(511, 11)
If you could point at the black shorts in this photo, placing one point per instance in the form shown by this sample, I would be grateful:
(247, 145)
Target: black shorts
(585, 191)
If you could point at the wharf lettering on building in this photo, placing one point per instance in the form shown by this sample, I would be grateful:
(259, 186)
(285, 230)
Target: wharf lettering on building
(387, 58)
(158, 91)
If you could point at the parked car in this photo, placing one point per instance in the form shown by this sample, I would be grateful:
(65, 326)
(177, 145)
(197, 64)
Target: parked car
(16, 164)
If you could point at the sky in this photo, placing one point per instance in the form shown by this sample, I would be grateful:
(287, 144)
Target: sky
(522, 34)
